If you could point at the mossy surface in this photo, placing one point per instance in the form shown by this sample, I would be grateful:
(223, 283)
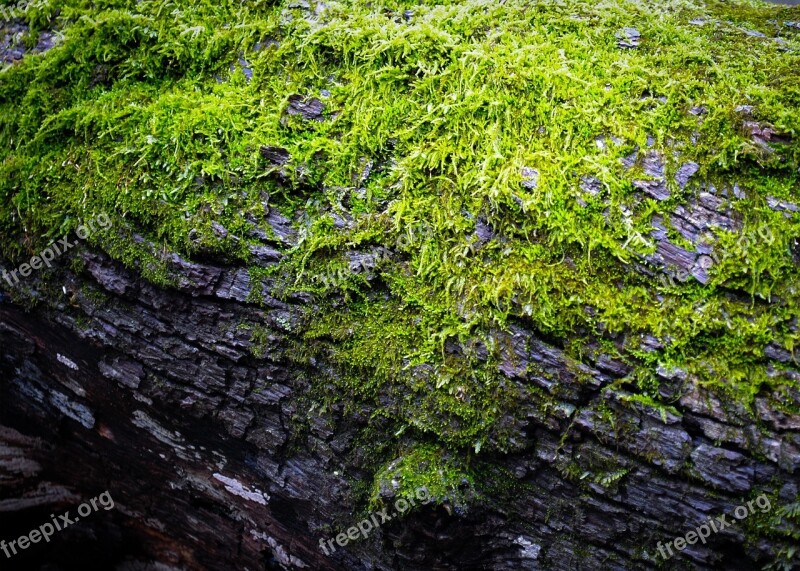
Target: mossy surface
(425, 473)
(435, 117)
(781, 520)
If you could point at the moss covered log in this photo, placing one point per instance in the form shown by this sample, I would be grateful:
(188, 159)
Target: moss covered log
(459, 226)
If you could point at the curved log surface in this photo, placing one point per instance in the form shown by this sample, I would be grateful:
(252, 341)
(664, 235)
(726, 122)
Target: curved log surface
(155, 396)
(536, 260)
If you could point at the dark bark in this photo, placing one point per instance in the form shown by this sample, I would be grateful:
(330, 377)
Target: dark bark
(214, 461)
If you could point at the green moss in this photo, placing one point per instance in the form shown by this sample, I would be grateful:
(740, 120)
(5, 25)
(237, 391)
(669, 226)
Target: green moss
(423, 389)
(425, 472)
(781, 521)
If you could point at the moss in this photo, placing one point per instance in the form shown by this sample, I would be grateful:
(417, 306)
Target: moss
(782, 522)
(261, 338)
(441, 478)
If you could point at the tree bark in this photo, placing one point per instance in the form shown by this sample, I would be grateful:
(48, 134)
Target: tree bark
(215, 461)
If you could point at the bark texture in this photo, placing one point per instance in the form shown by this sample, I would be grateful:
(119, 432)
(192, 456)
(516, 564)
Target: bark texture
(216, 462)
(189, 403)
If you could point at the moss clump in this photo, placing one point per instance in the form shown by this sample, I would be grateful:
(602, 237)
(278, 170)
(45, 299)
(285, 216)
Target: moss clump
(427, 473)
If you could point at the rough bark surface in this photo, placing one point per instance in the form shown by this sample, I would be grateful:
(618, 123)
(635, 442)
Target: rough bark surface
(217, 458)
(215, 461)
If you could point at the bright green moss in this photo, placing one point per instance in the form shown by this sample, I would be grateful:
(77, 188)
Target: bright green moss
(424, 472)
